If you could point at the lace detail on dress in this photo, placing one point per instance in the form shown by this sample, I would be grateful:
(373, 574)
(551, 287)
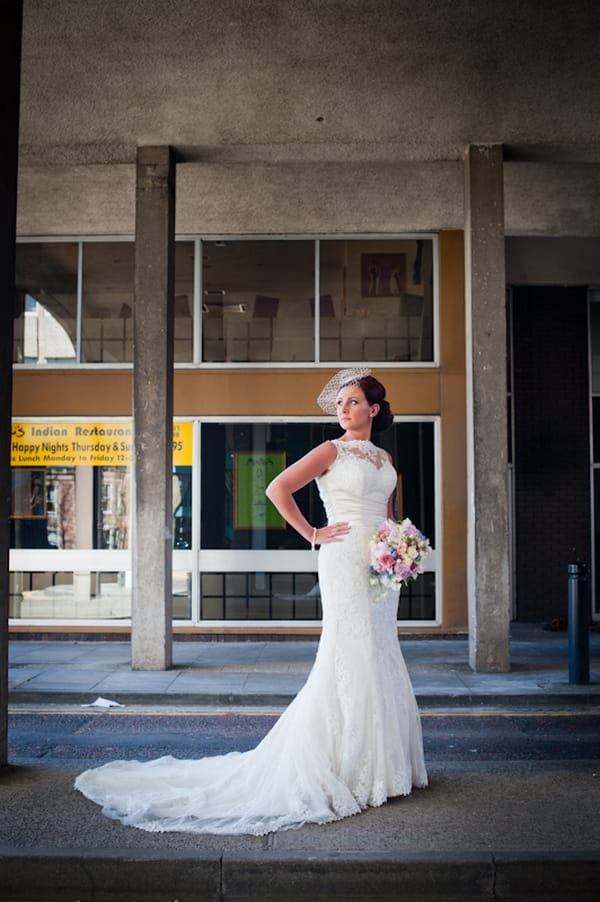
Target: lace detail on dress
(351, 737)
(365, 450)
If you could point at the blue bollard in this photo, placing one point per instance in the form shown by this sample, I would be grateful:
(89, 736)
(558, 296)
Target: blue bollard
(579, 625)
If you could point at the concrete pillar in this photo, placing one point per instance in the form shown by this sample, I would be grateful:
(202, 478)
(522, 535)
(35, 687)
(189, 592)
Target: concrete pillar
(151, 605)
(11, 17)
(487, 485)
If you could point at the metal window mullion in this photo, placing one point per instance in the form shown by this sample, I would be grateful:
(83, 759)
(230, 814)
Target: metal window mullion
(79, 315)
(594, 513)
(317, 304)
(196, 612)
(197, 324)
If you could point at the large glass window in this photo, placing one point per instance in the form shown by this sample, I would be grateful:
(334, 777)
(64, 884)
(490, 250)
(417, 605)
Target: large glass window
(107, 324)
(66, 499)
(84, 595)
(376, 300)
(184, 302)
(45, 329)
(107, 302)
(594, 349)
(256, 299)
(239, 459)
(71, 508)
(259, 301)
(260, 596)
(74, 302)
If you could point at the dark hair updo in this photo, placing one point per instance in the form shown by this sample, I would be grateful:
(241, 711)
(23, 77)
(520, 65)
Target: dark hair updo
(375, 394)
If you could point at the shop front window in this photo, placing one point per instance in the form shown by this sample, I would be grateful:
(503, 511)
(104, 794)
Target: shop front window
(66, 499)
(84, 595)
(238, 461)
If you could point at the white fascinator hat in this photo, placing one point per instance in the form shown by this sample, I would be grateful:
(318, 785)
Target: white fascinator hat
(328, 397)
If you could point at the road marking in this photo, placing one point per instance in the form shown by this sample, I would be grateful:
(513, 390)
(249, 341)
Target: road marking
(146, 711)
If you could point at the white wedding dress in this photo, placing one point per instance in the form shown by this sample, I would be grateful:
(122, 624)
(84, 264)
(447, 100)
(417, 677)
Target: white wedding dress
(352, 736)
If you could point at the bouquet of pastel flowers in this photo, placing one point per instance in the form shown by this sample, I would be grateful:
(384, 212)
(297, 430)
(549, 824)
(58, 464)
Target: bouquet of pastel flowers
(397, 553)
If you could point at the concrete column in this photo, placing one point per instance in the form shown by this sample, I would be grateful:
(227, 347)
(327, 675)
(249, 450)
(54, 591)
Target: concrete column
(487, 485)
(151, 606)
(11, 17)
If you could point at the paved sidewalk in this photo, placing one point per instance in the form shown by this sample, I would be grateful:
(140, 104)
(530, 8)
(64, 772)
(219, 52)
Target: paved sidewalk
(270, 673)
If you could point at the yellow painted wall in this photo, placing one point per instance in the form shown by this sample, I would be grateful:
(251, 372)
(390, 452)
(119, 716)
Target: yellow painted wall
(273, 392)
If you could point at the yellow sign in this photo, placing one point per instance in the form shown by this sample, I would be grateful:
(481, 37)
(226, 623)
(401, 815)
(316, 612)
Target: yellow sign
(86, 444)
(182, 444)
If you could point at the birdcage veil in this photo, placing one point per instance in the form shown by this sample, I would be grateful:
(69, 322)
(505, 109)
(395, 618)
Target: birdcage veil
(328, 397)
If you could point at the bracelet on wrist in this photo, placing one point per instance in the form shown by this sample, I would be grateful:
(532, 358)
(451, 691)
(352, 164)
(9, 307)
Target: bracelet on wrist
(313, 539)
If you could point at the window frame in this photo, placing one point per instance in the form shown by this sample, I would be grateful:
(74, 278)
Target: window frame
(196, 361)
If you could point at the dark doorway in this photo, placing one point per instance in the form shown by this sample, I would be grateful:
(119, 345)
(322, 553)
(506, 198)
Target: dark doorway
(551, 454)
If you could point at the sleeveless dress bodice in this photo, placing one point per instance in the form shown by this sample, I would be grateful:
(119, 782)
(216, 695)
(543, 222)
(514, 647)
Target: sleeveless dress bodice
(356, 487)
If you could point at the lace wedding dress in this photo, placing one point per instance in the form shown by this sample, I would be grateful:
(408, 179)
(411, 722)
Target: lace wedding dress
(352, 736)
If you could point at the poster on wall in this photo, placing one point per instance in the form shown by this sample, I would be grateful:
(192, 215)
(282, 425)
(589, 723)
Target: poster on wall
(252, 474)
(383, 275)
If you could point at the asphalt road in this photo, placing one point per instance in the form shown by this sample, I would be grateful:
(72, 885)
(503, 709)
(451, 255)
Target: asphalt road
(62, 737)
(511, 812)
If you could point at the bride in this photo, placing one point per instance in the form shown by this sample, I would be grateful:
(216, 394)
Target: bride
(352, 736)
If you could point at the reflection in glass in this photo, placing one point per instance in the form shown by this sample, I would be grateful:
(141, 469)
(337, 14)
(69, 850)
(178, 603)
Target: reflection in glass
(376, 300)
(182, 507)
(107, 327)
(98, 595)
(86, 507)
(45, 327)
(112, 504)
(183, 348)
(43, 508)
(260, 596)
(255, 297)
(280, 444)
(253, 596)
(594, 307)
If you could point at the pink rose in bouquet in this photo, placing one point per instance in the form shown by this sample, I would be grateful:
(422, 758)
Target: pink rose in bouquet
(397, 553)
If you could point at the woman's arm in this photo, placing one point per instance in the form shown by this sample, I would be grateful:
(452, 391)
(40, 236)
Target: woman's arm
(281, 491)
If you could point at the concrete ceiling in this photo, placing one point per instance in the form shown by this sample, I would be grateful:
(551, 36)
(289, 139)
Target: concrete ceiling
(308, 79)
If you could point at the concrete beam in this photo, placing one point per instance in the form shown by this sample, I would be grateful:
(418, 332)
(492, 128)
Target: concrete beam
(487, 485)
(151, 613)
(369, 195)
(11, 17)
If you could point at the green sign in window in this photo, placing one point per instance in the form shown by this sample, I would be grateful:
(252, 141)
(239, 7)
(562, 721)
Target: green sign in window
(252, 474)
